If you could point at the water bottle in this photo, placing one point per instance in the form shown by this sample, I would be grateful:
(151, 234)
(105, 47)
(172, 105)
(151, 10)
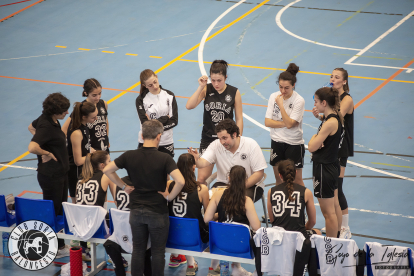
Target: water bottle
(224, 268)
(5, 237)
(328, 84)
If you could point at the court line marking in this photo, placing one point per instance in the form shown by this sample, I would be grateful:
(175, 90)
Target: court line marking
(355, 13)
(19, 11)
(202, 69)
(280, 25)
(163, 67)
(13, 161)
(15, 3)
(18, 167)
(349, 61)
(392, 165)
(383, 84)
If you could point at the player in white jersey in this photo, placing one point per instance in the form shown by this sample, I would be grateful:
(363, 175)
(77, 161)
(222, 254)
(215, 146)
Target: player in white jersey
(221, 101)
(232, 205)
(155, 102)
(284, 117)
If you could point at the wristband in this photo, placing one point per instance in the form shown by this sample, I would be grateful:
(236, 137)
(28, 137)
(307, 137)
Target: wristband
(167, 198)
(123, 188)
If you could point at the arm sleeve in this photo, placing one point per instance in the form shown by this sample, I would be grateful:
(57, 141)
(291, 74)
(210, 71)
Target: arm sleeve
(42, 135)
(298, 110)
(170, 165)
(140, 109)
(120, 162)
(210, 153)
(257, 159)
(172, 121)
(34, 123)
(270, 104)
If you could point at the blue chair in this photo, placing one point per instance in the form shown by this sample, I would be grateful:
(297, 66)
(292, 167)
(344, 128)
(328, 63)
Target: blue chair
(37, 209)
(99, 234)
(230, 240)
(6, 219)
(184, 234)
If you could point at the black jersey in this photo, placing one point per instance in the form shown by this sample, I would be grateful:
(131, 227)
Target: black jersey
(97, 129)
(347, 147)
(189, 206)
(289, 214)
(329, 152)
(85, 145)
(217, 107)
(122, 197)
(91, 192)
(222, 217)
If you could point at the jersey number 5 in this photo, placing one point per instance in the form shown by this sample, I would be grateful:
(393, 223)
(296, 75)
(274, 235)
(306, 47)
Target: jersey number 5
(180, 206)
(282, 203)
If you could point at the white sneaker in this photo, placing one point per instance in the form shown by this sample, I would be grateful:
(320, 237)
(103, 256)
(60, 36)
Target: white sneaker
(323, 230)
(239, 271)
(345, 233)
(64, 252)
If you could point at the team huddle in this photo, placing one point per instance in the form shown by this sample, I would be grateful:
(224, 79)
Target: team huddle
(75, 157)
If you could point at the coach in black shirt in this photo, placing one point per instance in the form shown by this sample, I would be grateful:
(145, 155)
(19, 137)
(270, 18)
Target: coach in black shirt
(49, 143)
(148, 169)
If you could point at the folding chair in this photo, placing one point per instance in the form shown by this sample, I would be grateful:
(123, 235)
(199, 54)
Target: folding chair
(37, 209)
(6, 219)
(230, 240)
(184, 234)
(258, 184)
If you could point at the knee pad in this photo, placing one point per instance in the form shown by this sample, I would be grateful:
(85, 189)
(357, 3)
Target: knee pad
(341, 197)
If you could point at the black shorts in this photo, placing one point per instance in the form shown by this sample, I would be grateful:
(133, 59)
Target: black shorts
(73, 177)
(282, 151)
(325, 179)
(343, 161)
(169, 149)
(205, 142)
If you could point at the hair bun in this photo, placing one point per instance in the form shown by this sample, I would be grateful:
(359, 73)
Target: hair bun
(293, 69)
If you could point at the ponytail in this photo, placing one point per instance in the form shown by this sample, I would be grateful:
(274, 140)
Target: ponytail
(331, 96)
(289, 74)
(91, 165)
(234, 201)
(80, 110)
(287, 170)
(143, 77)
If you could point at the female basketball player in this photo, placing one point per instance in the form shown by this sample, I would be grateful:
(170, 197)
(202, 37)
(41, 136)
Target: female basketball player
(232, 205)
(194, 197)
(339, 79)
(79, 141)
(154, 102)
(99, 129)
(284, 116)
(324, 147)
(221, 101)
(297, 197)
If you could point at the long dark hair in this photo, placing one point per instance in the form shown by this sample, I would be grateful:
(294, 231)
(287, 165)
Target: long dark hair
(345, 77)
(331, 96)
(219, 67)
(185, 164)
(79, 110)
(143, 77)
(92, 162)
(234, 201)
(89, 85)
(287, 170)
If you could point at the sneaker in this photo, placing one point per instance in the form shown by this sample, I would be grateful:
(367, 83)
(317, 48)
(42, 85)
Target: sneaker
(64, 252)
(213, 272)
(323, 230)
(177, 261)
(345, 233)
(239, 271)
(192, 270)
(74, 243)
(86, 256)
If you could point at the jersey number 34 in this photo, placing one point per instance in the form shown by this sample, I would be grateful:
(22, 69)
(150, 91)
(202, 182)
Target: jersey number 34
(283, 203)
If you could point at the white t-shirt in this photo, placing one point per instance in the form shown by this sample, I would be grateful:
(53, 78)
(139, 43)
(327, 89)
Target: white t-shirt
(278, 249)
(249, 155)
(294, 107)
(336, 256)
(382, 256)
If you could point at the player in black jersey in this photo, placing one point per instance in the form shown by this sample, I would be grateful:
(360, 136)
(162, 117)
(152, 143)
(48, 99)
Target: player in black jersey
(286, 202)
(188, 204)
(99, 129)
(155, 102)
(339, 79)
(79, 142)
(221, 101)
(324, 147)
(232, 205)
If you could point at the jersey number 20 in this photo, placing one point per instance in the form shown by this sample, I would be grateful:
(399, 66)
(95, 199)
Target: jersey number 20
(282, 204)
